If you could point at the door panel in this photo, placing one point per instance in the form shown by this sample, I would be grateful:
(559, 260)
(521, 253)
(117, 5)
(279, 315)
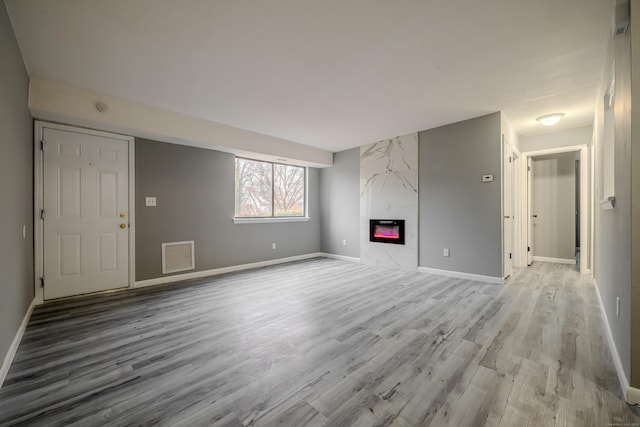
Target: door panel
(85, 184)
(69, 250)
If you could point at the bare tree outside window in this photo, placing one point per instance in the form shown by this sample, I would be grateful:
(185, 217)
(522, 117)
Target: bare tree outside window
(288, 197)
(265, 189)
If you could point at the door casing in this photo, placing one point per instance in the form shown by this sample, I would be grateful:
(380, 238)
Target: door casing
(585, 199)
(507, 208)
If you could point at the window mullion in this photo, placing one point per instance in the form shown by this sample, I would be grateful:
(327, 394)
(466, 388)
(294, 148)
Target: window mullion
(273, 189)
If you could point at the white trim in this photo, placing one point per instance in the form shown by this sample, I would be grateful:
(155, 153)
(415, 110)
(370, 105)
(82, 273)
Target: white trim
(461, 275)
(38, 202)
(556, 260)
(557, 150)
(341, 257)
(132, 211)
(13, 349)
(271, 219)
(222, 270)
(633, 396)
(38, 193)
(622, 377)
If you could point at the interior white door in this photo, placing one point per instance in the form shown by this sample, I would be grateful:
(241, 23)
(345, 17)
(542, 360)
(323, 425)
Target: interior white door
(529, 211)
(507, 234)
(86, 213)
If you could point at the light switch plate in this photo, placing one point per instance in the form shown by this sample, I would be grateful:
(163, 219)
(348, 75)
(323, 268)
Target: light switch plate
(150, 201)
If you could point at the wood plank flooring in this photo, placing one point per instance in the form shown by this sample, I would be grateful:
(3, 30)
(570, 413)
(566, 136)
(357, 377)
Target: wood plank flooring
(322, 342)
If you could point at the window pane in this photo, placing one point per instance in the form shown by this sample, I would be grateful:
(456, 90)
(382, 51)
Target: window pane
(253, 188)
(288, 191)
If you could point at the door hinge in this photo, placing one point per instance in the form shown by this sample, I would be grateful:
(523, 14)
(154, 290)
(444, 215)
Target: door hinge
(528, 168)
(509, 255)
(42, 214)
(42, 282)
(42, 144)
(509, 159)
(528, 249)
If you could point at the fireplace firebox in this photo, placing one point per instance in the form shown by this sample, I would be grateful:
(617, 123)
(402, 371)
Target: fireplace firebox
(386, 231)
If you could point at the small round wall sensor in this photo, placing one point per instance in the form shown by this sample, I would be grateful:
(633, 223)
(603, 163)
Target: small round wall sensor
(101, 106)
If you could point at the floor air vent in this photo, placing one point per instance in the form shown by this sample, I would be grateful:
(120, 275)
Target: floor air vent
(177, 256)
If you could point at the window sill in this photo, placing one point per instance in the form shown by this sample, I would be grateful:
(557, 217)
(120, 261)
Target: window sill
(268, 220)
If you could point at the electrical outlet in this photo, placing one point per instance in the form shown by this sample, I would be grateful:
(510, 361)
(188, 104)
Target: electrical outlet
(344, 242)
(150, 201)
(618, 306)
(273, 245)
(445, 252)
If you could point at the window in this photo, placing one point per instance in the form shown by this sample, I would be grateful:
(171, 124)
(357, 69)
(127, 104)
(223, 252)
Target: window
(269, 190)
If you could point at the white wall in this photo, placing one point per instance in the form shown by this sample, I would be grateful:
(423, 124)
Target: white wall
(565, 138)
(65, 104)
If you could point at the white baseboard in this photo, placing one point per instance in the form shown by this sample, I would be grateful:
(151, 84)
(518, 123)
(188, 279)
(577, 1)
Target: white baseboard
(222, 270)
(633, 396)
(556, 260)
(341, 257)
(13, 349)
(461, 275)
(622, 377)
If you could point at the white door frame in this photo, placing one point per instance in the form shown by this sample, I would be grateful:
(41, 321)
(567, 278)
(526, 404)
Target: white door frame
(585, 232)
(516, 188)
(506, 209)
(38, 192)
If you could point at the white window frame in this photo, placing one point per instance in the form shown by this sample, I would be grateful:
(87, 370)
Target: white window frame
(275, 219)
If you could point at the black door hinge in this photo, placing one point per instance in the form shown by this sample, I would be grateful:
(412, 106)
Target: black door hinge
(528, 249)
(42, 144)
(42, 214)
(42, 282)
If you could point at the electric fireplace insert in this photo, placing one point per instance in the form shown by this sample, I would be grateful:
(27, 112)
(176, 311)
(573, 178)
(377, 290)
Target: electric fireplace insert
(386, 231)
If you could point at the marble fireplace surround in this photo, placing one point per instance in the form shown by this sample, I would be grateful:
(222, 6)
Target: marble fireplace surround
(389, 190)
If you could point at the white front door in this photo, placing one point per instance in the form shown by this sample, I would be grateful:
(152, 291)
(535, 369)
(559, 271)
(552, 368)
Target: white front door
(86, 212)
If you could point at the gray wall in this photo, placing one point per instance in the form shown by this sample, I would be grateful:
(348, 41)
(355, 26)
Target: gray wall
(16, 187)
(554, 202)
(612, 262)
(457, 210)
(195, 195)
(340, 204)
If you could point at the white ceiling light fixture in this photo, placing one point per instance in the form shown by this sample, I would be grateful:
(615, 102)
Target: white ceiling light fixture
(550, 119)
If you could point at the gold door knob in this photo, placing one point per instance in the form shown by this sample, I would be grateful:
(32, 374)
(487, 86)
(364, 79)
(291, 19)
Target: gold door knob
(123, 225)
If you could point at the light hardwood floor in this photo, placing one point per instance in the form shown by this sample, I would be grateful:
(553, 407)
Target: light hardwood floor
(322, 342)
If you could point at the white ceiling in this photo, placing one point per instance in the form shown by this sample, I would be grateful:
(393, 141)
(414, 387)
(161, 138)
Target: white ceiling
(334, 74)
